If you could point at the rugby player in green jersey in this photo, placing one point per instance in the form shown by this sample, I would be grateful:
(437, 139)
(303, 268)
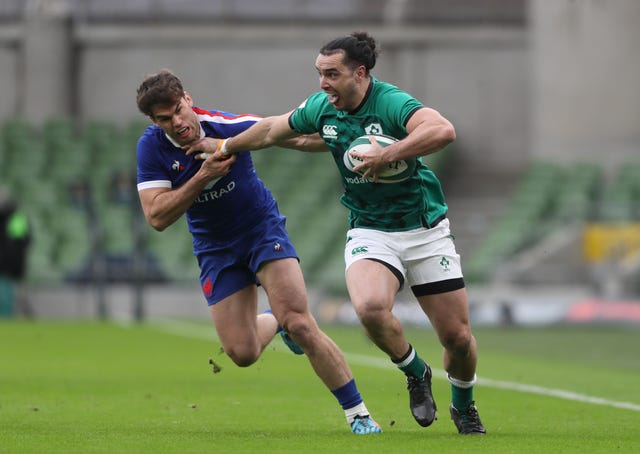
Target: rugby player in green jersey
(399, 232)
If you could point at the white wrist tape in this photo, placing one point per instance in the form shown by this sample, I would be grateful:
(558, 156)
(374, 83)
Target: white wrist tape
(222, 147)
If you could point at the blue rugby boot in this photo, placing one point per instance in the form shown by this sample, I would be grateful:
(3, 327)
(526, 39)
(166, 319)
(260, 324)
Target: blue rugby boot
(365, 425)
(295, 348)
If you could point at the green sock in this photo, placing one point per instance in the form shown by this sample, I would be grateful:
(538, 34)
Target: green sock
(461, 398)
(411, 364)
(461, 393)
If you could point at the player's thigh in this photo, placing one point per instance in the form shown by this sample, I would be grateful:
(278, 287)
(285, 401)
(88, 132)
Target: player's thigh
(371, 285)
(375, 272)
(284, 285)
(235, 317)
(448, 312)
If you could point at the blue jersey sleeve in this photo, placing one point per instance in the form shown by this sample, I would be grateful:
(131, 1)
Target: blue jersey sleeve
(151, 172)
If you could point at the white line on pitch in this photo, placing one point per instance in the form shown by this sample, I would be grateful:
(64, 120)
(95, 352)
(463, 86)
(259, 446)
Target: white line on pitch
(200, 331)
(560, 393)
(365, 360)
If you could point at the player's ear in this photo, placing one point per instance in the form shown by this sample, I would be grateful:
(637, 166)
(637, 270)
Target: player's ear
(188, 98)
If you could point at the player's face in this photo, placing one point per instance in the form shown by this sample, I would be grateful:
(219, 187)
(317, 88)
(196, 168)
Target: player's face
(178, 121)
(344, 86)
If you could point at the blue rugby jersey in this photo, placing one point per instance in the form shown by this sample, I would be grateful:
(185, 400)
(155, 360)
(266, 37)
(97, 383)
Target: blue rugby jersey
(228, 206)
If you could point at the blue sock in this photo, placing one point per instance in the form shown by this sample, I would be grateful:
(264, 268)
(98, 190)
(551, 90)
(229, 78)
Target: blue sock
(269, 311)
(348, 395)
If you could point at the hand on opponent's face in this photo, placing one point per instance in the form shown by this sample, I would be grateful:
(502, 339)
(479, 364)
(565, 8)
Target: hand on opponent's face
(215, 163)
(206, 148)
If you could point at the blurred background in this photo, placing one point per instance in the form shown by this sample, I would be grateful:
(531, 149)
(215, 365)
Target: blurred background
(543, 181)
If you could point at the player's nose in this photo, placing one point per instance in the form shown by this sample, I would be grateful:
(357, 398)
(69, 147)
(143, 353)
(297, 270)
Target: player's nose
(323, 83)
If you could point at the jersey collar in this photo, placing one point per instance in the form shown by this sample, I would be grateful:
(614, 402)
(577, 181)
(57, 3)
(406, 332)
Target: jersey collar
(364, 100)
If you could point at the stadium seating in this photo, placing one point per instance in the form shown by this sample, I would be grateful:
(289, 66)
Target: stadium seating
(549, 196)
(579, 190)
(620, 199)
(77, 184)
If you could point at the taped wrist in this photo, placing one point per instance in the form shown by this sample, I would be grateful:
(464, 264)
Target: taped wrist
(222, 148)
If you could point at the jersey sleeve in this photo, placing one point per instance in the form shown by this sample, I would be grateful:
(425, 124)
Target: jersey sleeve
(306, 117)
(150, 172)
(401, 107)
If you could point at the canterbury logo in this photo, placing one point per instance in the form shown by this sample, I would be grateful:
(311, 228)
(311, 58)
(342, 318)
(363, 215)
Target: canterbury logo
(359, 250)
(329, 131)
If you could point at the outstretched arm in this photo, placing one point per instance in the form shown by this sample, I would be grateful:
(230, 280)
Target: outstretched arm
(267, 132)
(308, 142)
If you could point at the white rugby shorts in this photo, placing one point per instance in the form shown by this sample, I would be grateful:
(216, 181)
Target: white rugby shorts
(420, 256)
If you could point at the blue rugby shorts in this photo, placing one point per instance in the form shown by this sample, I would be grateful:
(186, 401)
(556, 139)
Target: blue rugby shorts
(228, 267)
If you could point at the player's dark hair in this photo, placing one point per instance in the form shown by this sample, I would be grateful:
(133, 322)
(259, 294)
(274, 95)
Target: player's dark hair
(161, 89)
(359, 49)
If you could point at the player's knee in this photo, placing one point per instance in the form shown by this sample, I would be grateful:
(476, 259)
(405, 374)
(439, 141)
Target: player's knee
(300, 327)
(458, 342)
(371, 313)
(242, 356)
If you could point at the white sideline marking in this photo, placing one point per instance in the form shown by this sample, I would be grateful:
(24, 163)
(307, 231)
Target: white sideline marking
(365, 360)
(560, 393)
(199, 331)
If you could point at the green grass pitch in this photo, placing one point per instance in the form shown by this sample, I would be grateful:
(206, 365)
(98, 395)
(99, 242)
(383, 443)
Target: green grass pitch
(82, 387)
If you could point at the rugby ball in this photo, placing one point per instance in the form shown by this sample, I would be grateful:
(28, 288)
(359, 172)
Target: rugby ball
(395, 172)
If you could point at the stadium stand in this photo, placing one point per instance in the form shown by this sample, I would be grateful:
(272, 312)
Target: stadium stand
(343, 11)
(549, 197)
(78, 186)
(84, 208)
(518, 225)
(619, 199)
(86, 217)
(579, 190)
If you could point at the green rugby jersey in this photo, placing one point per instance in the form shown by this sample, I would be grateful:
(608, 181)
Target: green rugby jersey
(409, 204)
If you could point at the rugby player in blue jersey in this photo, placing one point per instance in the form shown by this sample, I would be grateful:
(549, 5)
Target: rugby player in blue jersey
(239, 237)
(399, 229)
